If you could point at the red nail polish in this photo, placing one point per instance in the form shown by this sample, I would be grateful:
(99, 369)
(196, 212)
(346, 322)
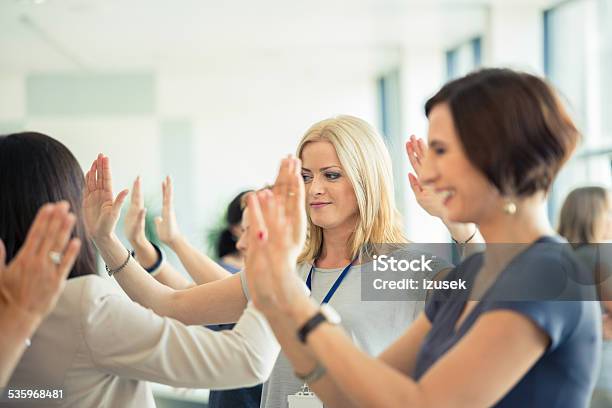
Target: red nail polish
(260, 235)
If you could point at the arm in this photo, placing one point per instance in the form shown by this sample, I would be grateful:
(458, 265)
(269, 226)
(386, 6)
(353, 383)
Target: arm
(201, 268)
(163, 350)
(496, 353)
(218, 302)
(31, 284)
(146, 255)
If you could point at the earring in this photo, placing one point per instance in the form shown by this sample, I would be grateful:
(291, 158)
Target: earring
(510, 207)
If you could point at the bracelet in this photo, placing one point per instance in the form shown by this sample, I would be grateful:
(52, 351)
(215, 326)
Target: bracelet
(467, 240)
(111, 272)
(316, 373)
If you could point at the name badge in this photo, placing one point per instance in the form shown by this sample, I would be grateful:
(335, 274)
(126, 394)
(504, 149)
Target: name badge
(304, 399)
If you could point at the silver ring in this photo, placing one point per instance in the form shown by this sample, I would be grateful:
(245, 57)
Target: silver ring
(55, 257)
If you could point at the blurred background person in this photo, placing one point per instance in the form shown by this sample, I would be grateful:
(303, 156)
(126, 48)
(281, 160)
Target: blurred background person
(586, 218)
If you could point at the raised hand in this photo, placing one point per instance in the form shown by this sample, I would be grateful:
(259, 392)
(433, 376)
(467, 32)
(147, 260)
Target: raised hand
(276, 237)
(100, 211)
(33, 280)
(134, 223)
(166, 225)
(427, 198)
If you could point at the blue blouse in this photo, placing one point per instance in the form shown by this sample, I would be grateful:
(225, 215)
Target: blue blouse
(565, 375)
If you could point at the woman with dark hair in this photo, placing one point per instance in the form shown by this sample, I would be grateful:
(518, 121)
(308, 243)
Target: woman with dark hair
(585, 221)
(228, 255)
(497, 138)
(97, 345)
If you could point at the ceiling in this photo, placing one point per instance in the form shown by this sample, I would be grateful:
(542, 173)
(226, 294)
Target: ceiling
(190, 35)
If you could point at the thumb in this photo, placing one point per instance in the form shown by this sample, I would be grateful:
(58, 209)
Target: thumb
(119, 200)
(414, 183)
(158, 221)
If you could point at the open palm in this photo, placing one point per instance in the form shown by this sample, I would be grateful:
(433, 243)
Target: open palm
(100, 211)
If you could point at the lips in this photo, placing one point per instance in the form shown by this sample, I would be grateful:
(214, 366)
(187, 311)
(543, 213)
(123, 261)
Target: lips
(447, 195)
(319, 204)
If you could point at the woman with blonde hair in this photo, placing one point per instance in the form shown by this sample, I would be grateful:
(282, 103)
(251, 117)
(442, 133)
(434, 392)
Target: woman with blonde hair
(349, 204)
(585, 221)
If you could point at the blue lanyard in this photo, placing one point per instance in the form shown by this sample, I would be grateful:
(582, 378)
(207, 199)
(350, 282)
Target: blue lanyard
(334, 286)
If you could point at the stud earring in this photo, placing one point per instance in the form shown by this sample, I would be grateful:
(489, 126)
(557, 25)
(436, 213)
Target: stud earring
(510, 207)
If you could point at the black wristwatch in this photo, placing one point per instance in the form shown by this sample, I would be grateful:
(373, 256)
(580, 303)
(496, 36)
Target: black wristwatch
(325, 314)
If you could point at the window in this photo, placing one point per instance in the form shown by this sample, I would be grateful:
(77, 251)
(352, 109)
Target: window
(577, 53)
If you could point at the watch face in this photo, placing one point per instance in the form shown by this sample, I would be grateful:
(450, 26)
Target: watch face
(330, 314)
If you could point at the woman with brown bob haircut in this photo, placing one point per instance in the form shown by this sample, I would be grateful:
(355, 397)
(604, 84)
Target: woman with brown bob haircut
(497, 138)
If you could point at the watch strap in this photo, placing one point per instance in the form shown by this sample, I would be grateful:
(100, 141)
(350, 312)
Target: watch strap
(310, 325)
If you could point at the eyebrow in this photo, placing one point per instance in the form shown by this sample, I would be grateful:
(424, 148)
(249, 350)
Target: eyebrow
(323, 168)
(434, 143)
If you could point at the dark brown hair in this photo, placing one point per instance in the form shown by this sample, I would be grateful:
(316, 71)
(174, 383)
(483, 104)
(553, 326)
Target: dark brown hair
(36, 169)
(512, 127)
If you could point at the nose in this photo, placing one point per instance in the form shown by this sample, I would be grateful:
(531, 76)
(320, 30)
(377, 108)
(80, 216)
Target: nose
(316, 187)
(429, 173)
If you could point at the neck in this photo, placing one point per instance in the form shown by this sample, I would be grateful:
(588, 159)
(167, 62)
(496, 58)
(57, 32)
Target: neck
(525, 226)
(335, 253)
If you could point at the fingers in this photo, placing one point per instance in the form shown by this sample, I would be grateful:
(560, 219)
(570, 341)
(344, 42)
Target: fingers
(90, 178)
(273, 213)
(280, 185)
(415, 162)
(257, 230)
(98, 172)
(167, 196)
(69, 257)
(421, 149)
(58, 231)
(107, 179)
(37, 231)
(137, 199)
(415, 184)
(295, 201)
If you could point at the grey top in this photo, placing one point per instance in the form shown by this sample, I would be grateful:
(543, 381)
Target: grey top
(372, 325)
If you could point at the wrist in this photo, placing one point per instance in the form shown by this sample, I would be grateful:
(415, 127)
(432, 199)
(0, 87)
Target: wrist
(140, 242)
(177, 241)
(302, 309)
(20, 322)
(104, 240)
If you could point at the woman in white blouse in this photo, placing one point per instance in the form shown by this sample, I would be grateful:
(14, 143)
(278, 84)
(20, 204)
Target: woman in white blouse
(97, 346)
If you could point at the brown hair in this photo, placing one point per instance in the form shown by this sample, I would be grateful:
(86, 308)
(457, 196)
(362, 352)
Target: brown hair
(36, 169)
(512, 127)
(583, 215)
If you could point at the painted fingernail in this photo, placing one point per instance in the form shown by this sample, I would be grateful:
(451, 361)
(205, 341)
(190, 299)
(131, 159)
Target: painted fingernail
(260, 235)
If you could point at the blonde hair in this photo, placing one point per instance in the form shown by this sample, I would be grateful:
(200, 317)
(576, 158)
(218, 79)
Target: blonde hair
(367, 164)
(583, 215)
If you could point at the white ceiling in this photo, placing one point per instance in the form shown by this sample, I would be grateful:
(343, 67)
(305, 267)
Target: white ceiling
(57, 35)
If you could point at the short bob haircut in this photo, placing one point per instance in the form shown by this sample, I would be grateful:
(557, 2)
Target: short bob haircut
(512, 126)
(36, 169)
(583, 216)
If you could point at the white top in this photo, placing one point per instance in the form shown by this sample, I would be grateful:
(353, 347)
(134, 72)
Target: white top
(100, 348)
